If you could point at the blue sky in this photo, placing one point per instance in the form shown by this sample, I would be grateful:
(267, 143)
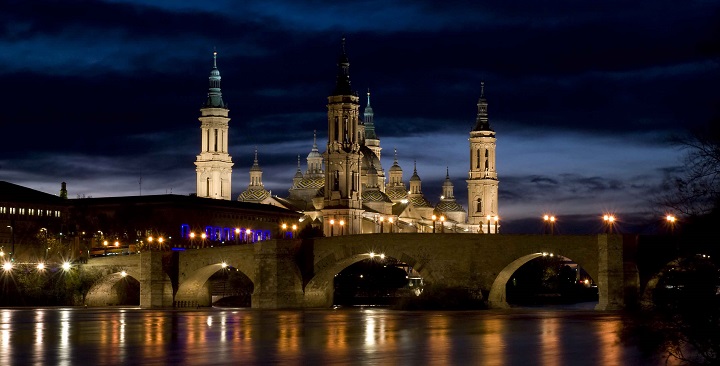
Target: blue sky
(583, 95)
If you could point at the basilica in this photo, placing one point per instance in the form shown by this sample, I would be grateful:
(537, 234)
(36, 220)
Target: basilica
(344, 190)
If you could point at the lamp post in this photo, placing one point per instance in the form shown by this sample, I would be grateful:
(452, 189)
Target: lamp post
(433, 220)
(382, 224)
(12, 241)
(294, 229)
(496, 219)
(550, 221)
(670, 219)
(284, 229)
(342, 227)
(247, 235)
(488, 217)
(390, 220)
(442, 224)
(609, 220)
(332, 226)
(237, 235)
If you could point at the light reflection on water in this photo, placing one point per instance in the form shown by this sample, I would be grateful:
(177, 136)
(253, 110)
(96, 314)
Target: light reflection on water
(112, 336)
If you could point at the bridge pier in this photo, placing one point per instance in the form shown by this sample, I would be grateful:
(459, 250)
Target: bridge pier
(278, 282)
(611, 271)
(155, 287)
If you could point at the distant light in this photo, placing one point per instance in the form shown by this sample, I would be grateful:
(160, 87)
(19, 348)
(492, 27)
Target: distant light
(332, 222)
(160, 239)
(294, 227)
(41, 266)
(442, 197)
(105, 243)
(150, 239)
(248, 231)
(66, 266)
(361, 276)
(284, 226)
(224, 265)
(203, 235)
(670, 218)
(123, 273)
(382, 256)
(403, 201)
(342, 222)
(237, 231)
(7, 266)
(192, 235)
(117, 244)
(372, 255)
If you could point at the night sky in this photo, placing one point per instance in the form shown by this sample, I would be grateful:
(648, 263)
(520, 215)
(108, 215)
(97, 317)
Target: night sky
(583, 95)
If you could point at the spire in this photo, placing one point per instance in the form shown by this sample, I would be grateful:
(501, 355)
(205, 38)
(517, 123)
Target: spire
(298, 173)
(447, 173)
(256, 165)
(415, 176)
(342, 82)
(214, 99)
(482, 123)
(369, 120)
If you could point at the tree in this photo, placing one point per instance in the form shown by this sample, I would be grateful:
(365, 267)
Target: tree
(695, 189)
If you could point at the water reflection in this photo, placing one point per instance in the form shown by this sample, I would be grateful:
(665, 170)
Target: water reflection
(355, 336)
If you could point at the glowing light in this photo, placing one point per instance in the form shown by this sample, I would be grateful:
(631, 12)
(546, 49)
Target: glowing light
(670, 218)
(435, 217)
(7, 266)
(294, 227)
(224, 265)
(284, 226)
(332, 222)
(204, 236)
(237, 231)
(342, 222)
(496, 218)
(488, 217)
(192, 235)
(382, 256)
(2, 254)
(123, 273)
(160, 240)
(105, 242)
(41, 266)
(150, 239)
(248, 231)
(117, 244)
(66, 266)
(372, 254)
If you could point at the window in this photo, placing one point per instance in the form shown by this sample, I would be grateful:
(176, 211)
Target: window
(479, 205)
(487, 160)
(22, 211)
(12, 210)
(337, 129)
(216, 140)
(477, 159)
(2, 210)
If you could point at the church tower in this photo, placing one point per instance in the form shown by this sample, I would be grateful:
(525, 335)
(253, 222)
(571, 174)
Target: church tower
(214, 164)
(482, 178)
(342, 203)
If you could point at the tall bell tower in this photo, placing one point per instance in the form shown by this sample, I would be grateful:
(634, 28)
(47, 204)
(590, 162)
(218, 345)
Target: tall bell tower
(482, 178)
(342, 203)
(214, 164)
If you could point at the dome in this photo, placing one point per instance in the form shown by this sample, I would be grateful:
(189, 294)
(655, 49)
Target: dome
(415, 177)
(254, 195)
(449, 206)
(368, 158)
(396, 168)
(310, 182)
(375, 195)
(396, 193)
(298, 174)
(420, 201)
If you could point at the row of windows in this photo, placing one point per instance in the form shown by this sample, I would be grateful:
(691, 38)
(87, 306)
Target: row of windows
(28, 211)
(218, 233)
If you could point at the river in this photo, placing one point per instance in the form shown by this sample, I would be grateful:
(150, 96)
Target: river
(355, 336)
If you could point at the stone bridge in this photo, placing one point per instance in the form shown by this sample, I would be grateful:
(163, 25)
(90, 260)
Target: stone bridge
(300, 273)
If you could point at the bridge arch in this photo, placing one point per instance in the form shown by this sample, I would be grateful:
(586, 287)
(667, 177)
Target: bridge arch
(318, 292)
(193, 290)
(646, 298)
(119, 288)
(497, 298)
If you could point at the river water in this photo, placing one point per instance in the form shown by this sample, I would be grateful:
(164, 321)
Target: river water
(356, 336)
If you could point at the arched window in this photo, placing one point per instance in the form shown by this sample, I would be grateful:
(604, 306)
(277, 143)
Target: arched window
(337, 129)
(207, 186)
(477, 159)
(479, 205)
(487, 160)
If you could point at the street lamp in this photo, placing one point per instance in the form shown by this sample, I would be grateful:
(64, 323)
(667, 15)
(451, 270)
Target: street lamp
(332, 226)
(670, 219)
(342, 227)
(496, 219)
(382, 224)
(550, 221)
(390, 220)
(609, 220)
(488, 217)
(284, 229)
(237, 235)
(294, 229)
(247, 235)
(433, 220)
(442, 222)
